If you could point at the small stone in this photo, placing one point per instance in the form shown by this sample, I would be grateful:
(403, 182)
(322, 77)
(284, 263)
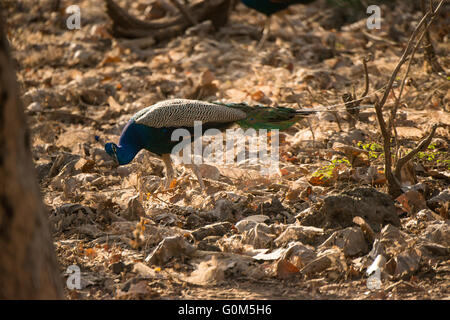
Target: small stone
(34, 106)
(117, 267)
(134, 209)
(84, 165)
(123, 171)
(215, 229)
(169, 248)
(304, 234)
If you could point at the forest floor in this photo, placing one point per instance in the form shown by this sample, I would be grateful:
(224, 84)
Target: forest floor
(291, 234)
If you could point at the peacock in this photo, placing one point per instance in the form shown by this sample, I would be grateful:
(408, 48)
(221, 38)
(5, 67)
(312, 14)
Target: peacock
(151, 128)
(269, 7)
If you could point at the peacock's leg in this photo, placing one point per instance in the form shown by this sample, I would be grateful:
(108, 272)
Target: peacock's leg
(196, 170)
(198, 174)
(289, 23)
(169, 170)
(266, 33)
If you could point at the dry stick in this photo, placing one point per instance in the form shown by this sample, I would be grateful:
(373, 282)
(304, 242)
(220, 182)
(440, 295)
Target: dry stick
(430, 55)
(351, 108)
(399, 164)
(391, 124)
(403, 59)
(366, 76)
(379, 39)
(409, 64)
(185, 12)
(393, 184)
(393, 128)
(422, 146)
(394, 188)
(350, 100)
(266, 33)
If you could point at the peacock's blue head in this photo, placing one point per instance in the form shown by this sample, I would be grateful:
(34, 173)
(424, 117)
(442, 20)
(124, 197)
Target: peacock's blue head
(122, 154)
(111, 149)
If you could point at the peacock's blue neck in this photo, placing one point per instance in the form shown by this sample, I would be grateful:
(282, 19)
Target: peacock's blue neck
(136, 137)
(126, 153)
(130, 143)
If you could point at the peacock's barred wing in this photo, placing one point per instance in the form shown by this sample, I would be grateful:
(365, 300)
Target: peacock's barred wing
(183, 113)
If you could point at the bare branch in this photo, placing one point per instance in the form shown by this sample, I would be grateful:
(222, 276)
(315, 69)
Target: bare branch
(366, 76)
(394, 186)
(391, 124)
(351, 102)
(424, 33)
(430, 55)
(422, 146)
(406, 52)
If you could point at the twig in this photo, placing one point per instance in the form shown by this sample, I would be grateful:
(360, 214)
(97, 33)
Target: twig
(393, 183)
(394, 187)
(403, 58)
(410, 62)
(430, 55)
(422, 146)
(366, 76)
(351, 107)
(379, 39)
(350, 100)
(391, 124)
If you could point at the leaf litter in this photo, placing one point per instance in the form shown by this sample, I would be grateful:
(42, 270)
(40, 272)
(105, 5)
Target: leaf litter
(321, 221)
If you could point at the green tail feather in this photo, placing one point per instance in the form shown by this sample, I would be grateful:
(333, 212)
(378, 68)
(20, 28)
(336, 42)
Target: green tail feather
(262, 117)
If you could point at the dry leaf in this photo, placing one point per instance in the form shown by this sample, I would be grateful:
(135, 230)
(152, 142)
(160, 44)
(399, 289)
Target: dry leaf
(90, 252)
(412, 201)
(111, 59)
(207, 78)
(292, 195)
(285, 269)
(258, 95)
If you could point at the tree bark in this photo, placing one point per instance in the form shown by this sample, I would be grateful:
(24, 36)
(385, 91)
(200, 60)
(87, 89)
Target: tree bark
(28, 267)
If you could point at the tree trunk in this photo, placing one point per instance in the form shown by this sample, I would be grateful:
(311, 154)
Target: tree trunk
(28, 267)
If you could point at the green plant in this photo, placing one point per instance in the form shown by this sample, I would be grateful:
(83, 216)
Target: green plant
(434, 156)
(327, 171)
(375, 150)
